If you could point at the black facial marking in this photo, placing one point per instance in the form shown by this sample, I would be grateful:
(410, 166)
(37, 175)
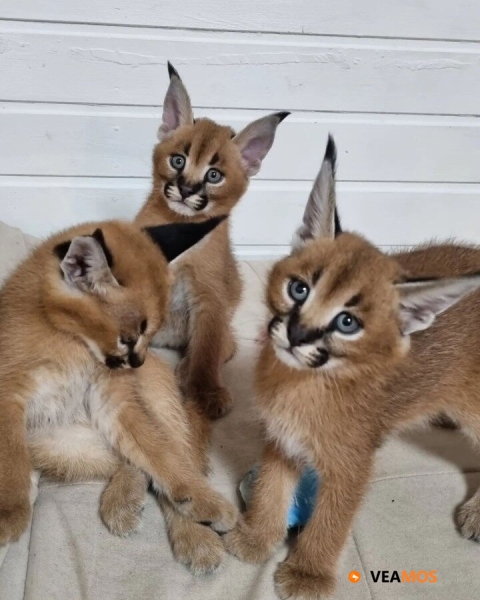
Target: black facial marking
(143, 326)
(196, 188)
(134, 360)
(273, 323)
(298, 334)
(129, 342)
(61, 249)
(187, 148)
(98, 235)
(320, 359)
(316, 276)
(113, 362)
(202, 204)
(215, 158)
(180, 181)
(167, 187)
(354, 301)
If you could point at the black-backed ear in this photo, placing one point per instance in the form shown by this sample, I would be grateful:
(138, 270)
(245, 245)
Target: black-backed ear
(320, 218)
(256, 139)
(98, 235)
(176, 238)
(85, 266)
(177, 108)
(61, 250)
(422, 300)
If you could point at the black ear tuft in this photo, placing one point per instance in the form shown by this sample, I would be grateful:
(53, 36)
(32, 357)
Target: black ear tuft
(282, 115)
(98, 236)
(61, 249)
(175, 238)
(172, 71)
(338, 225)
(331, 152)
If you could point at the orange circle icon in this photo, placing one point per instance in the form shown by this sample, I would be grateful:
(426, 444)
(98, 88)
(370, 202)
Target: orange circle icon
(354, 576)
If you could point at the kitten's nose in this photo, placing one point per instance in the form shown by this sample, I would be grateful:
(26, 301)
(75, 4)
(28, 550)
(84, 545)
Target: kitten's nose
(185, 191)
(183, 187)
(298, 334)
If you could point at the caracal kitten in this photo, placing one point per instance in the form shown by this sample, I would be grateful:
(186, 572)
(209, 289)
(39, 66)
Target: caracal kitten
(81, 395)
(354, 350)
(202, 169)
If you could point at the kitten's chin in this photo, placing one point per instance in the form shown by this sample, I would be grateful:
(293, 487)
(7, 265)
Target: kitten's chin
(291, 360)
(188, 208)
(181, 209)
(288, 358)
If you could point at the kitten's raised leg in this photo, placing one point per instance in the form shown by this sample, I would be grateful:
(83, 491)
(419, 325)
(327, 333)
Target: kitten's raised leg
(157, 443)
(15, 467)
(309, 570)
(199, 371)
(265, 524)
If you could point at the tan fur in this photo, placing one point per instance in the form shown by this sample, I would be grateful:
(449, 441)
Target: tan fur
(80, 418)
(335, 415)
(208, 285)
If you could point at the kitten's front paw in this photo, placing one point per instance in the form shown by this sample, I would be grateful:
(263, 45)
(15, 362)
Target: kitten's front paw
(122, 504)
(209, 508)
(200, 549)
(294, 583)
(246, 545)
(469, 520)
(13, 521)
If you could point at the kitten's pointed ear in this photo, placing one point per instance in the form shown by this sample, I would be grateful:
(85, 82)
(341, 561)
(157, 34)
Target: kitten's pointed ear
(177, 108)
(176, 238)
(85, 265)
(256, 139)
(320, 218)
(422, 301)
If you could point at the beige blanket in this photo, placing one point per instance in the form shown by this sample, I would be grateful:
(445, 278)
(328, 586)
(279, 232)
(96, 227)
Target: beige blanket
(406, 521)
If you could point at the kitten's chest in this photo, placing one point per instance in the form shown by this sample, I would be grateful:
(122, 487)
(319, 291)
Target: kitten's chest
(287, 428)
(174, 334)
(60, 397)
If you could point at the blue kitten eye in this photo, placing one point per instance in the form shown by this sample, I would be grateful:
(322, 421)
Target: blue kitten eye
(346, 323)
(177, 161)
(213, 176)
(298, 290)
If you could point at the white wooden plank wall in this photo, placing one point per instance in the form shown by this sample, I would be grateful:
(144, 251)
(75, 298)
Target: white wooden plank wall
(396, 81)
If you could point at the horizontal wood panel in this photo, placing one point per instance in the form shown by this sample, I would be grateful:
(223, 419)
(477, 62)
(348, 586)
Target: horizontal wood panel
(386, 18)
(389, 214)
(109, 142)
(110, 65)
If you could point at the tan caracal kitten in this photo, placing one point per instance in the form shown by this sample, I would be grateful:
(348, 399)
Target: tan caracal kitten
(342, 366)
(202, 169)
(74, 317)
